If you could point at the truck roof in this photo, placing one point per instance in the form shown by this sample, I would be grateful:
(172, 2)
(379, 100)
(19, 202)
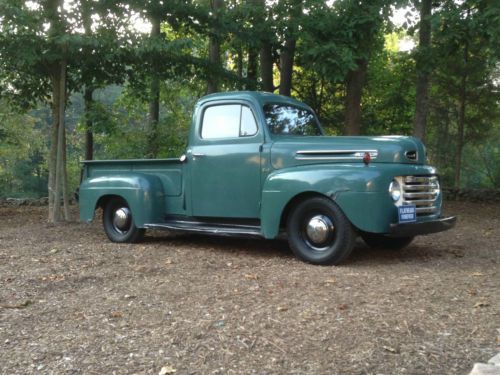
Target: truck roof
(258, 96)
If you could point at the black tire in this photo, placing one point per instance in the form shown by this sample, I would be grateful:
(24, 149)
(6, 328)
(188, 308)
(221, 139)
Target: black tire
(124, 231)
(384, 242)
(322, 246)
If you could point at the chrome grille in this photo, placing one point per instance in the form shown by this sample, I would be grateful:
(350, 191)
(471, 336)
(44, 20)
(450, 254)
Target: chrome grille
(423, 192)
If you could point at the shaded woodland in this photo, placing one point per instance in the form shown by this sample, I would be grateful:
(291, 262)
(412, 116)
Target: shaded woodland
(89, 79)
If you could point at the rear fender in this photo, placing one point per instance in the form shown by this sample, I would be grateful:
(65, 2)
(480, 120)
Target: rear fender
(143, 193)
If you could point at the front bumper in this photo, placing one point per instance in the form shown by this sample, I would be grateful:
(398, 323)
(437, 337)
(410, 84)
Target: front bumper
(424, 227)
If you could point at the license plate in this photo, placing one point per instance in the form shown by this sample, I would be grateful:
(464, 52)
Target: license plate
(407, 214)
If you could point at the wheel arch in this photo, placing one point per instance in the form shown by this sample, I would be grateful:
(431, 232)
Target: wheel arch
(294, 201)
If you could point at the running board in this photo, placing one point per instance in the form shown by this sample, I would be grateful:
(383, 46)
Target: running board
(208, 228)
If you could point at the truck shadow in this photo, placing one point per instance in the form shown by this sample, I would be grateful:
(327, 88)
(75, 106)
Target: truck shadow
(268, 249)
(251, 247)
(364, 255)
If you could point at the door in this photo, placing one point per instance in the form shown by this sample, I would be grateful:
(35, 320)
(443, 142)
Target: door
(225, 159)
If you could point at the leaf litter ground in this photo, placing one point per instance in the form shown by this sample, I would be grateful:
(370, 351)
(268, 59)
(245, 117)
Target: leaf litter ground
(71, 302)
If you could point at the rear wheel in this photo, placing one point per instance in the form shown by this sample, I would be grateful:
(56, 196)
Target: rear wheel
(381, 241)
(319, 232)
(118, 222)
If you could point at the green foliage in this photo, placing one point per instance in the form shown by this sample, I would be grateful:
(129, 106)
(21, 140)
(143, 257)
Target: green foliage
(23, 169)
(107, 54)
(466, 59)
(389, 96)
(120, 130)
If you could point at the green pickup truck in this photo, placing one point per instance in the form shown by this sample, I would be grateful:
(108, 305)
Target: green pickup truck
(259, 164)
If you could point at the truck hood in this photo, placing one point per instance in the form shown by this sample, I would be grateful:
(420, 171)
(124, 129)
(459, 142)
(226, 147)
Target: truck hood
(294, 151)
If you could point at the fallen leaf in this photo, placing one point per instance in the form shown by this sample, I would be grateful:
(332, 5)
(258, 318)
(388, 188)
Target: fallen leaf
(52, 278)
(167, 370)
(21, 305)
(282, 308)
(116, 314)
(251, 276)
(477, 274)
(389, 349)
(330, 281)
(169, 261)
(343, 306)
(481, 304)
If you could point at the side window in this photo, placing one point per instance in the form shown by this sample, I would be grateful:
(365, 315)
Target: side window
(248, 124)
(221, 121)
(228, 121)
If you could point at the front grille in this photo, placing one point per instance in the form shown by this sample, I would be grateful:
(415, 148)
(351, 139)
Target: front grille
(423, 192)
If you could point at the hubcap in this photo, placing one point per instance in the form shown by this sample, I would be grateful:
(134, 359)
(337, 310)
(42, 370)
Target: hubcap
(121, 219)
(319, 229)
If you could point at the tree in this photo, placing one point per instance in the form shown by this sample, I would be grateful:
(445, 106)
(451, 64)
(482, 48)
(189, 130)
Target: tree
(214, 47)
(465, 93)
(293, 10)
(423, 63)
(55, 60)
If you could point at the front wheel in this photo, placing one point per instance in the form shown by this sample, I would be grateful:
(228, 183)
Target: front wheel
(118, 222)
(319, 232)
(381, 241)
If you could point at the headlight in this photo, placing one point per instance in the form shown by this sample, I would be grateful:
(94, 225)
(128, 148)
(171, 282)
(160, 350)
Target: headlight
(395, 190)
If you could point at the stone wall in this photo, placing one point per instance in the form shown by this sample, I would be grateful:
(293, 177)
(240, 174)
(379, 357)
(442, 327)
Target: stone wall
(24, 201)
(472, 195)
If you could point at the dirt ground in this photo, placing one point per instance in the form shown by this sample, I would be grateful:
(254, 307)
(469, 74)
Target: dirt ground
(71, 302)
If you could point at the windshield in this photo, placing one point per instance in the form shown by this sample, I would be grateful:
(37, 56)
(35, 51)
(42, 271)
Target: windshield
(284, 119)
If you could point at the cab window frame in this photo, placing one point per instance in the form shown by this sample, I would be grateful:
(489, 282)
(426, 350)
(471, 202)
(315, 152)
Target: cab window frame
(240, 117)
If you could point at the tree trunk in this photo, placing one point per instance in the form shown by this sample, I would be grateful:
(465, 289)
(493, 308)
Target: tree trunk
(86, 7)
(286, 62)
(59, 169)
(239, 67)
(214, 51)
(53, 144)
(154, 103)
(422, 65)
(266, 52)
(461, 117)
(288, 53)
(89, 134)
(354, 90)
(266, 67)
(65, 192)
(252, 69)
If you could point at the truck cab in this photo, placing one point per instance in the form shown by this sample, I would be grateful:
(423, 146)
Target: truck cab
(259, 164)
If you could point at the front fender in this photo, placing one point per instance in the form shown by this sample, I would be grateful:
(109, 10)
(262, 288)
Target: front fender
(361, 192)
(143, 193)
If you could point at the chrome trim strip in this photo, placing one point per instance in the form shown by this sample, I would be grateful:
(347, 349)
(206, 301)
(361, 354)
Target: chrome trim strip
(334, 154)
(220, 230)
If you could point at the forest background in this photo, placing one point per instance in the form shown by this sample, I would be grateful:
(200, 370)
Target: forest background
(85, 79)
